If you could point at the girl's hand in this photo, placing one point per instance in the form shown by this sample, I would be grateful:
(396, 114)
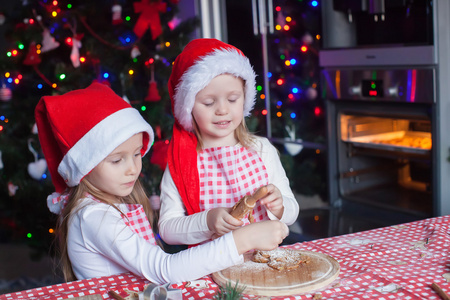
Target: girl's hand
(220, 221)
(265, 235)
(273, 201)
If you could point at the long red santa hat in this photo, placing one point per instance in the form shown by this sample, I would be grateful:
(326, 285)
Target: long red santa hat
(199, 62)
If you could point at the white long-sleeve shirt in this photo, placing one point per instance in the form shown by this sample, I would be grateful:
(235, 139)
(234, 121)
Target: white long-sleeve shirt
(175, 227)
(101, 244)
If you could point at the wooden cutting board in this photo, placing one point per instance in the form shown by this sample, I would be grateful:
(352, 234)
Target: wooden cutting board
(260, 279)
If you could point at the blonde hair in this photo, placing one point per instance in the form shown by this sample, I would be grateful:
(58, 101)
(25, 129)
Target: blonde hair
(137, 196)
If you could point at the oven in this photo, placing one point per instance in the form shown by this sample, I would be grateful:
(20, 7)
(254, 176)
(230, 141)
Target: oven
(386, 96)
(381, 137)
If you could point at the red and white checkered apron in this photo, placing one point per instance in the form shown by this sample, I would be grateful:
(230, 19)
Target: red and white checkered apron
(137, 220)
(229, 173)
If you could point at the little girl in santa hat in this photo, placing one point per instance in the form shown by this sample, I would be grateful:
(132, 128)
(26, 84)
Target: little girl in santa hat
(93, 142)
(213, 160)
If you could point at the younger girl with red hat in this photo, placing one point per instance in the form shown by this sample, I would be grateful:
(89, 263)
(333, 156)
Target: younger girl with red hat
(213, 160)
(93, 142)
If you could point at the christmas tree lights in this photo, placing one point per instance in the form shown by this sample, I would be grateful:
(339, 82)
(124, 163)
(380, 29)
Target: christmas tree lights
(52, 47)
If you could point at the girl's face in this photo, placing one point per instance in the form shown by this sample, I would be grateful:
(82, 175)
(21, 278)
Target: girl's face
(219, 109)
(117, 173)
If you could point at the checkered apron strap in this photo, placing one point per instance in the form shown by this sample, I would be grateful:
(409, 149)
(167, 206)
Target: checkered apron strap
(229, 173)
(137, 220)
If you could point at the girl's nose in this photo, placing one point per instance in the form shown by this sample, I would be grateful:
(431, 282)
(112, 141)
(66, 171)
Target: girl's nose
(132, 167)
(222, 107)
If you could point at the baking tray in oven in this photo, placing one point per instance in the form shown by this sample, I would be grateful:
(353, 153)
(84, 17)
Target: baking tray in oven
(403, 141)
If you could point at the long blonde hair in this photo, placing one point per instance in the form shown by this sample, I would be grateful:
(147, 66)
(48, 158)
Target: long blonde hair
(137, 196)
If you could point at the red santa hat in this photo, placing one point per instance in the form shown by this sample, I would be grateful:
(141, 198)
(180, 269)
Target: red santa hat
(79, 129)
(200, 61)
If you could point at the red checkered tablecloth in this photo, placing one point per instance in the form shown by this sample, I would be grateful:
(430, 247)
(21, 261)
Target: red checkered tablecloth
(396, 262)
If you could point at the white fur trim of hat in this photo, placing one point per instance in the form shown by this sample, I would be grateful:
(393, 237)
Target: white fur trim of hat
(106, 136)
(200, 74)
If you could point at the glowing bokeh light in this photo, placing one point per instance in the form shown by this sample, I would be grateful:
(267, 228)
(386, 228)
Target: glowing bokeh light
(317, 111)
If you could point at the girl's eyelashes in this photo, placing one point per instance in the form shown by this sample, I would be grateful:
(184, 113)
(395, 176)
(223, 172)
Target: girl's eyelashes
(116, 161)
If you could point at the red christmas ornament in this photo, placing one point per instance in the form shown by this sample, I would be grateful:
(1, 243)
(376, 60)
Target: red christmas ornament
(159, 154)
(158, 131)
(153, 94)
(32, 58)
(149, 17)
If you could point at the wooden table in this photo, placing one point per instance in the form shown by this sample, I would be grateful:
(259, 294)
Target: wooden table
(396, 262)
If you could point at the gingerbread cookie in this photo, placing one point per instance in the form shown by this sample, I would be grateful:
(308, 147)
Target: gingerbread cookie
(246, 204)
(280, 258)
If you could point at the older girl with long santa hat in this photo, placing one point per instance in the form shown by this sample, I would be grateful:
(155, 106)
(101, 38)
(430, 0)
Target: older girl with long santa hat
(213, 160)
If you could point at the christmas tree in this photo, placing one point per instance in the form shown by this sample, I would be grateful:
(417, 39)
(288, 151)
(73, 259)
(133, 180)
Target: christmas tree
(296, 108)
(52, 47)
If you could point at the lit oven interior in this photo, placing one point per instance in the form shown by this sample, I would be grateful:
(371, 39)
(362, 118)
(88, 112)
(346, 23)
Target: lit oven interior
(386, 162)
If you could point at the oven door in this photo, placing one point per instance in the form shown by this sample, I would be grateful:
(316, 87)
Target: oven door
(381, 148)
(384, 156)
